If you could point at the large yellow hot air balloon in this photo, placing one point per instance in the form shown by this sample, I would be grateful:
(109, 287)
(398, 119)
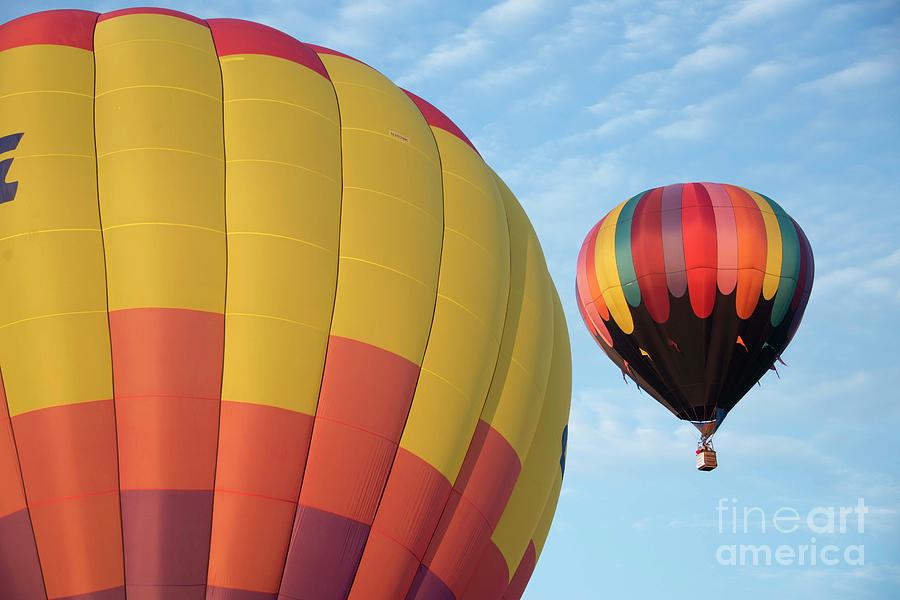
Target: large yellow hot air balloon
(269, 326)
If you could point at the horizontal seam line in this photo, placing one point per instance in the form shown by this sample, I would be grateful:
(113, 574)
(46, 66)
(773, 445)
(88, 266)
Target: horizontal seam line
(391, 269)
(162, 149)
(64, 92)
(49, 316)
(159, 41)
(232, 161)
(163, 224)
(397, 198)
(358, 428)
(384, 135)
(282, 237)
(286, 103)
(465, 308)
(275, 318)
(158, 87)
(43, 231)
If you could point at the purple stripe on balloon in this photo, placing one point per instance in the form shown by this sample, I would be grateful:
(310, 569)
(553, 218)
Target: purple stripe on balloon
(673, 243)
(116, 593)
(20, 571)
(220, 593)
(428, 586)
(165, 592)
(323, 557)
(166, 535)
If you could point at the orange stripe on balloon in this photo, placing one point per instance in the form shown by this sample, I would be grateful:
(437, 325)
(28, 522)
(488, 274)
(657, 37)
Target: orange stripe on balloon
(12, 496)
(774, 245)
(751, 236)
(699, 233)
(590, 270)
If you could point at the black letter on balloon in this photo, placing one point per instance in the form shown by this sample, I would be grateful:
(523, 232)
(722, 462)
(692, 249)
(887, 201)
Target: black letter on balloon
(8, 189)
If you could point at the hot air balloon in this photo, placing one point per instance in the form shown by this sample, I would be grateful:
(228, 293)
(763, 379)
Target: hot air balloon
(694, 290)
(269, 326)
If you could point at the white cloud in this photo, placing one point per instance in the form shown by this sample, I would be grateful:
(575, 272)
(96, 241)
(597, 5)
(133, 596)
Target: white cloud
(625, 121)
(879, 276)
(493, 79)
(749, 14)
(693, 128)
(471, 44)
(767, 72)
(862, 74)
(708, 58)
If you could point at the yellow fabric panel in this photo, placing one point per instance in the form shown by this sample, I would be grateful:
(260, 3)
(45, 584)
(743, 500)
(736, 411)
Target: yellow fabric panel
(161, 162)
(773, 246)
(608, 272)
(525, 506)
(283, 202)
(56, 360)
(391, 215)
(54, 334)
(516, 396)
(468, 319)
(543, 527)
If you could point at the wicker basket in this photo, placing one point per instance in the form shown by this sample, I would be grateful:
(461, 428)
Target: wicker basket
(706, 460)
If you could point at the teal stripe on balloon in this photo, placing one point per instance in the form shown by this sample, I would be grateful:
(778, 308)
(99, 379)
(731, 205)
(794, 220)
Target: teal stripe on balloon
(624, 261)
(790, 263)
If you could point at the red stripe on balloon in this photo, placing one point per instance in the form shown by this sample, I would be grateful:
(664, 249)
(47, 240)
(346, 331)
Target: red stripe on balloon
(751, 235)
(151, 10)
(235, 36)
(726, 238)
(647, 254)
(74, 28)
(491, 576)
(522, 575)
(699, 232)
(436, 118)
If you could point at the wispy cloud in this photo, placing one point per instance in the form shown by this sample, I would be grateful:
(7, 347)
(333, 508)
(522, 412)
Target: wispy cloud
(750, 13)
(471, 44)
(857, 77)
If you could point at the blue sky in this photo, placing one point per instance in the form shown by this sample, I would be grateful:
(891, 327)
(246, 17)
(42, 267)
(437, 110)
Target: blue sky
(580, 105)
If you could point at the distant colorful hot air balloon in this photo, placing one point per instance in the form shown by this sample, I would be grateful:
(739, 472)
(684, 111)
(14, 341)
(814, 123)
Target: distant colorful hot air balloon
(694, 290)
(269, 326)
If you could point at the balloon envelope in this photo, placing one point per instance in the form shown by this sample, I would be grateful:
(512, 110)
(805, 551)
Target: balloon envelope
(694, 290)
(269, 326)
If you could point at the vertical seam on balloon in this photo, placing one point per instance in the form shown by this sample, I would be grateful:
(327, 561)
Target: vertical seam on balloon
(112, 371)
(520, 461)
(212, 508)
(554, 299)
(337, 272)
(557, 313)
(12, 433)
(428, 337)
(494, 178)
